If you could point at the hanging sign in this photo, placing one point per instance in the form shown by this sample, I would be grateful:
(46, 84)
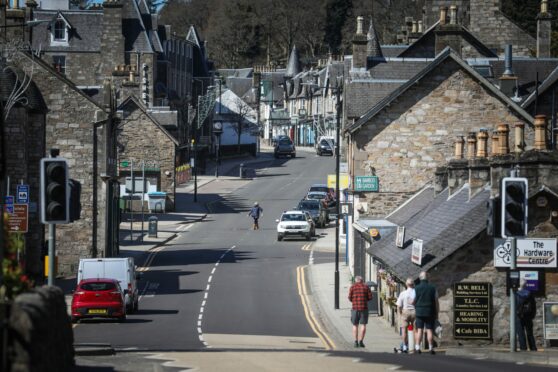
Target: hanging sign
(416, 254)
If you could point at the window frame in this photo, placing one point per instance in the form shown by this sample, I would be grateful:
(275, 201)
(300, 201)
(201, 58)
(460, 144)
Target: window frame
(55, 59)
(59, 25)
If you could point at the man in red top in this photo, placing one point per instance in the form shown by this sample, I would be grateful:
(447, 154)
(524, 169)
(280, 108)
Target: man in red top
(359, 295)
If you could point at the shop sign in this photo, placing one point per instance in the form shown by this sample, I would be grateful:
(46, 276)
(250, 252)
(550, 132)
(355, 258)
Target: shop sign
(531, 252)
(472, 304)
(550, 320)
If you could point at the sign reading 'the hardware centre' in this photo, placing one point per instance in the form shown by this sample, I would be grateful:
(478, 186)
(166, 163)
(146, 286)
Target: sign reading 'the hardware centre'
(472, 303)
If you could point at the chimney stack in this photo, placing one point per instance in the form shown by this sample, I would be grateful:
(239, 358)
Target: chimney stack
(508, 81)
(503, 142)
(471, 145)
(540, 132)
(482, 140)
(519, 137)
(459, 143)
(544, 31)
(360, 42)
(112, 39)
(443, 15)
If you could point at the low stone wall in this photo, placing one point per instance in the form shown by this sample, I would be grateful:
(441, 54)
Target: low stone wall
(41, 332)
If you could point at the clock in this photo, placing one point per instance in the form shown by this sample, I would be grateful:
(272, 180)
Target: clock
(218, 126)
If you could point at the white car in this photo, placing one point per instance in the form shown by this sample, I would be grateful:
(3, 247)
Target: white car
(294, 223)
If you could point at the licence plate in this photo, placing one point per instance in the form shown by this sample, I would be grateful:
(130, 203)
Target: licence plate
(97, 311)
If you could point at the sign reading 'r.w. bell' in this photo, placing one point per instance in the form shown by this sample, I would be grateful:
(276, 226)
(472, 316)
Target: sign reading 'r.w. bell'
(472, 304)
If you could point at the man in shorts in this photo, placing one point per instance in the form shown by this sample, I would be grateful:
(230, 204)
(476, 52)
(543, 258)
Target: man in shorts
(406, 309)
(426, 309)
(359, 295)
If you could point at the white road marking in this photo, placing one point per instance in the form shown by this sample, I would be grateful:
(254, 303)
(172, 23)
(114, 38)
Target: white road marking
(209, 279)
(205, 296)
(203, 303)
(207, 288)
(199, 323)
(200, 317)
(213, 271)
(201, 310)
(199, 330)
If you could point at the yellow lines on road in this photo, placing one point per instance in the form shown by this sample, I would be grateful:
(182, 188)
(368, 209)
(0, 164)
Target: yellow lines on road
(307, 247)
(150, 258)
(314, 324)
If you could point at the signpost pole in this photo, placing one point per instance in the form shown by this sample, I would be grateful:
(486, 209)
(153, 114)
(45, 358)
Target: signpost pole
(337, 195)
(142, 195)
(132, 201)
(51, 253)
(513, 266)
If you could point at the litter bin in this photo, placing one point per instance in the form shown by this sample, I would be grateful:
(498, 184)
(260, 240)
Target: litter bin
(157, 201)
(373, 303)
(152, 227)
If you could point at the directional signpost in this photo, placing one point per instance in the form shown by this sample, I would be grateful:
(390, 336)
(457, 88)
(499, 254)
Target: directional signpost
(472, 303)
(22, 194)
(18, 221)
(366, 183)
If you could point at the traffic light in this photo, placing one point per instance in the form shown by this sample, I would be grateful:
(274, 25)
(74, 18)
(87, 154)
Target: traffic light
(514, 207)
(55, 195)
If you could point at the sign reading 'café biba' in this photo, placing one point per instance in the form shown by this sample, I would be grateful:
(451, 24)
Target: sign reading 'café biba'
(472, 304)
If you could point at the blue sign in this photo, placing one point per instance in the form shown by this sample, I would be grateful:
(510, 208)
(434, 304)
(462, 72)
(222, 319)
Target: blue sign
(22, 194)
(9, 201)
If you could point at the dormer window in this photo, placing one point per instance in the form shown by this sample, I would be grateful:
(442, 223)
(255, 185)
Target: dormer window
(59, 31)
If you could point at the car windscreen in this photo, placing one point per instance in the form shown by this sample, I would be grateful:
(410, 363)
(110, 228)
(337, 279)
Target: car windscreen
(98, 286)
(316, 196)
(308, 206)
(293, 217)
(319, 189)
(325, 143)
(285, 142)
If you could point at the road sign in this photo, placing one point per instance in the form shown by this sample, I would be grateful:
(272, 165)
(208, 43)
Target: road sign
(9, 204)
(472, 303)
(366, 183)
(531, 252)
(18, 221)
(22, 194)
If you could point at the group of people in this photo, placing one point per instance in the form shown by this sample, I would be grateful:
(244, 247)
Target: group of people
(416, 306)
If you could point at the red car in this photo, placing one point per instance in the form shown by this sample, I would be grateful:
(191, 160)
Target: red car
(95, 298)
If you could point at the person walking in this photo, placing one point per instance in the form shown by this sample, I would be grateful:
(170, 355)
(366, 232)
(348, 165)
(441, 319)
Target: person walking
(406, 309)
(256, 212)
(526, 310)
(426, 310)
(359, 295)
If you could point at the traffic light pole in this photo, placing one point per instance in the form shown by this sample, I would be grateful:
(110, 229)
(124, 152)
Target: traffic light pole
(513, 266)
(51, 253)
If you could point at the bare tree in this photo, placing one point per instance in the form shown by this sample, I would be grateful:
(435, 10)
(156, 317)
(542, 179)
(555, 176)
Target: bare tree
(240, 114)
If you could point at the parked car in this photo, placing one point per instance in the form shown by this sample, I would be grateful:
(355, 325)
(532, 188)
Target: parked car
(324, 188)
(294, 223)
(121, 269)
(311, 222)
(317, 211)
(324, 147)
(316, 195)
(99, 297)
(285, 147)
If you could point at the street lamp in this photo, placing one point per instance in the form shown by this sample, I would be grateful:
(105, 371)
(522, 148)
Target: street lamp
(218, 130)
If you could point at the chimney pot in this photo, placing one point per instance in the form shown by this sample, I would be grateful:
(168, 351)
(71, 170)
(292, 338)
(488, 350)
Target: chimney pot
(471, 145)
(544, 6)
(360, 25)
(420, 27)
(495, 149)
(453, 14)
(443, 15)
(414, 30)
(540, 132)
(482, 139)
(131, 76)
(503, 130)
(459, 142)
(519, 137)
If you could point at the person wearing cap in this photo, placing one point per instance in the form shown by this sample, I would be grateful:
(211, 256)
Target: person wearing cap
(256, 212)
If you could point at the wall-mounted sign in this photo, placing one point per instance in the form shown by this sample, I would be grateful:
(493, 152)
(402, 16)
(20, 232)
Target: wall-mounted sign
(366, 183)
(416, 253)
(18, 220)
(531, 279)
(400, 238)
(346, 209)
(22, 194)
(343, 167)
(550, 320)
(343, 181)
(530, 252)
(472, 303)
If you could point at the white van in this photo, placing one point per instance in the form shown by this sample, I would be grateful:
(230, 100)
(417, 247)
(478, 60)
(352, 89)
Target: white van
(121, 269)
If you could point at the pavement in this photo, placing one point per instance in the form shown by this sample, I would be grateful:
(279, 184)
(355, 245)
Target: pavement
(319, 276)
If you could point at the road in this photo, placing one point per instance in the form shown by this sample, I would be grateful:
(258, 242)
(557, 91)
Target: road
(224, 297)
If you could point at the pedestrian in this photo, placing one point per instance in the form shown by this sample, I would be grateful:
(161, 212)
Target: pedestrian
(359, 295)
(426, 310)
(406, 309)
(526, 310)
(256, 212)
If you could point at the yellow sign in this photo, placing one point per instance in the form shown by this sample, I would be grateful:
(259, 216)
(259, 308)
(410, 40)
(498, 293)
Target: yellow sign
(374, 233)
(343, 181)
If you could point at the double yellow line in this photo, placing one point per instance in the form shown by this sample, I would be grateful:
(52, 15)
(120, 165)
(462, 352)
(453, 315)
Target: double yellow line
(307, 247)
(150, 258)
(314, 324)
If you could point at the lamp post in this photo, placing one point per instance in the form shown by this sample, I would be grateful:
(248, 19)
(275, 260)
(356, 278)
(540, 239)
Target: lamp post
(337, 128)
(195, 167)
(217, 130)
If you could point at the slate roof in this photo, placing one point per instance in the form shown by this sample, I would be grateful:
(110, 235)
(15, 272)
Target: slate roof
(239, 85)
(445, 225)
(447, 53)
(373, 48)
(548, 82)
(393, 50)
(136, 38)
(85, 35)
(293, 66)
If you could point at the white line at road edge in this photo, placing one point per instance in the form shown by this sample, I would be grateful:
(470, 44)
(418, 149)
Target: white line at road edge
(206, 294)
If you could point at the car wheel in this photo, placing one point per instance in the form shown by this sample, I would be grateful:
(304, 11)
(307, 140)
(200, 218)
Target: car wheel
(122, 318)
(279, 237)
(293, 156)
(74, 319)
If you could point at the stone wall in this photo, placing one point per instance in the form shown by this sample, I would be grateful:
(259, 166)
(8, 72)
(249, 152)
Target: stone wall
(45, 338)
(140, 139)
(404, 143)
(81, 68)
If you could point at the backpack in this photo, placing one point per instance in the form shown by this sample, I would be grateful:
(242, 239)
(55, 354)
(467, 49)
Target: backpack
(526, 308)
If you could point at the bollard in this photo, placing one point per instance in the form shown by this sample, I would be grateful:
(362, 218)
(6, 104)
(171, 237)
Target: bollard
(410, 337)
(241, 170)
(152, 227)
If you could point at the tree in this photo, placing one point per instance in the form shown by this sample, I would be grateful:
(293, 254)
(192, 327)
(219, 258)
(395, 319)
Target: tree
(240, 113)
